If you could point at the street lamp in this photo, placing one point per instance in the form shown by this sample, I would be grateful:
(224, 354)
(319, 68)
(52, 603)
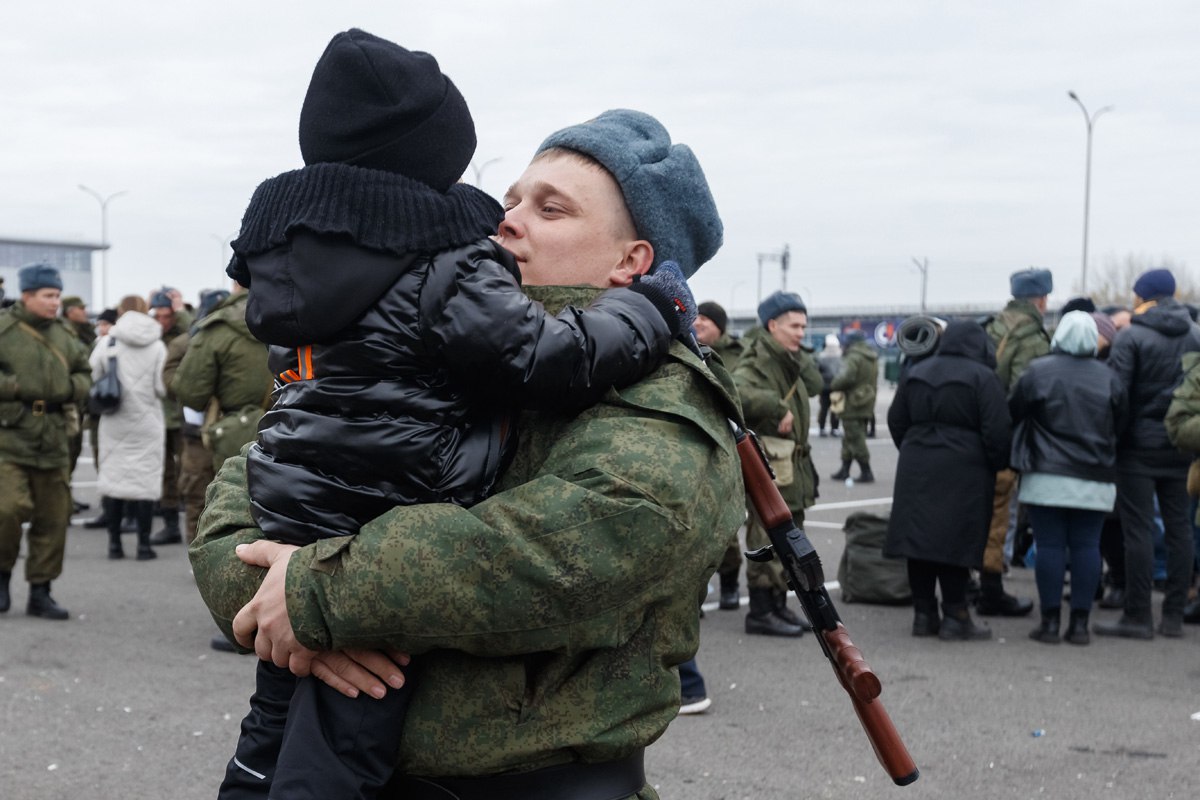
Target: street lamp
(783, 258)
(479, 170)
(1087, 181)
(103, 201)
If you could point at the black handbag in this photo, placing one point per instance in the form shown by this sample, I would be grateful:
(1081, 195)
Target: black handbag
(105, 394)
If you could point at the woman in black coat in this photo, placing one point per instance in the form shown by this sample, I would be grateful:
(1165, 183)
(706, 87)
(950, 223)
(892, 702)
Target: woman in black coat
(950, 421)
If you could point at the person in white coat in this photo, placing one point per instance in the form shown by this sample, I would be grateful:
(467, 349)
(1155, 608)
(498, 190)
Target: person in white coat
(131, 437)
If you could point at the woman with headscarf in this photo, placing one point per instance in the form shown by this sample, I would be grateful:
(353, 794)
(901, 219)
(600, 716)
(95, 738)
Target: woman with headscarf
(950, 421)
(1068, 409)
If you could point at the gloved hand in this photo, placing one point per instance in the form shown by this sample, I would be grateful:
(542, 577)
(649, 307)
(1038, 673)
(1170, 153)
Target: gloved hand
(666, 287)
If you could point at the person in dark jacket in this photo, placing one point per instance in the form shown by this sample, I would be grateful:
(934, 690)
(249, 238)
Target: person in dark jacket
(1147, 357)
(374, 282)
(1068, 409)
(950, 421)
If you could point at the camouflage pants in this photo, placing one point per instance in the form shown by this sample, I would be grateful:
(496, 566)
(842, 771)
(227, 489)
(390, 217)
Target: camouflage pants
(43, 498)
(195, 474)
(170, 480)
(767, 575)
(993, 554)
(854, 441)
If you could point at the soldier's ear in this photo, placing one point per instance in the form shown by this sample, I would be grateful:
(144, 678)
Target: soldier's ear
(637, 258)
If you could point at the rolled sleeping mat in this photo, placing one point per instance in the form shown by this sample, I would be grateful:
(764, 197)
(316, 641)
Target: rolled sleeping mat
(917, 337)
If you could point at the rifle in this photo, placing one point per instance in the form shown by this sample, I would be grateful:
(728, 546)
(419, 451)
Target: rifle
(806, 578)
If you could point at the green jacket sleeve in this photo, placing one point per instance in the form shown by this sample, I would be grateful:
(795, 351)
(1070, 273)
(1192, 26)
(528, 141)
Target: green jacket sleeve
(628, 503)
(1183, 415)
(810, 374)
(195, 380)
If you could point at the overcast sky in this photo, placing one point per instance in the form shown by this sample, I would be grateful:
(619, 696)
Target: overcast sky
(860, 134)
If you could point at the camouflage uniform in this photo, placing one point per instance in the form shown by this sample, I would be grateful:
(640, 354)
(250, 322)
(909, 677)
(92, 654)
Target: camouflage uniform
(857, 379)
(729, 350)
(222, 362)
(765, 376)
(85, 332)
(36, 378)
(550, 617)
(173, 421)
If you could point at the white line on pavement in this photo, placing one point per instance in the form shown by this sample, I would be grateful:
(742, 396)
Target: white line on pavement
(878, 501)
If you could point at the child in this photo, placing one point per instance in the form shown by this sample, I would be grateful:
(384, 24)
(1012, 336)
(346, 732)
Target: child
(401, 345)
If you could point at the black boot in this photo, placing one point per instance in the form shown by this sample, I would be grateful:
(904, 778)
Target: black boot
(866, 476)
(957, 624)
(1191, 612)
(1127, 627)
(170, 531)
(762, 619)
(1047, 630)
(5, 597)
(842, 473)
(779, 601)
(101, 520)
(926, 620)
(1077, 628)
(41, 604)
(994, 602)
(729, 592)
(1114, 599)
(145, 517)
(112, 511)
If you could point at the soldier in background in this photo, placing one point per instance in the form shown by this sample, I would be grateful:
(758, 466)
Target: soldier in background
(774, 379)
(1019, 334)
(174, 324)
(74, 312)
(42, 367)
(857, 380)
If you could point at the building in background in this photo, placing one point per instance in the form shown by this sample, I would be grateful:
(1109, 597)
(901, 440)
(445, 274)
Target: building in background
(73, 260)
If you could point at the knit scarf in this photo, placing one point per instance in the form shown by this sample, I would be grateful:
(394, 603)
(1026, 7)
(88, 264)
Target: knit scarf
(376, 209)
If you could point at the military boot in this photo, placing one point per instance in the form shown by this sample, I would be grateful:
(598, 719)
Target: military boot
(5, 597)
(762, 619)
(994, 602)
(958, 625)
(170, 531)
(1047, 630)
(926, 620)
(842, 473)
(779, 601)
(866, 476)
(145, 517)
(41, 604)
(729, 592)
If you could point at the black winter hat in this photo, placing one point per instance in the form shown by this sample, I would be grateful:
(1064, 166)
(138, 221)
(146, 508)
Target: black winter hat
(714, 312)
(374, 104)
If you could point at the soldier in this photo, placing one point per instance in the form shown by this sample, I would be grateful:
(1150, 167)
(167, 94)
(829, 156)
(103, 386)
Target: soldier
(857, 379)
(42, 367)
(775, 377)
(1020, 336)
(710, 327)
(74, 312)
(582, 572)
(224, 367)
(174, 324)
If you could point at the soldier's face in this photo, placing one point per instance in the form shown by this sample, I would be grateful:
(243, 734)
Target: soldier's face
(165, 317)
(42, 303)
(707, 331)
(76, 314)
(566, 224)
(788, 329)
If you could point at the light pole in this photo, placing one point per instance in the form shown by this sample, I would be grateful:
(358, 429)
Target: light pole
(733, 294)
(1087, 181)
(103, 201)
(783, 257)
(478, 169)
(923, 266)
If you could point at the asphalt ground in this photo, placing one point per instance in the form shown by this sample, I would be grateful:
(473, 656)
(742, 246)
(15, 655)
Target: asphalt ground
(126, 700)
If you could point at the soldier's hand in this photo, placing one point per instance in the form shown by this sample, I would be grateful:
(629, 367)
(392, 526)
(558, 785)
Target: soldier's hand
(263, 623)
(785, 424)
(354, 671)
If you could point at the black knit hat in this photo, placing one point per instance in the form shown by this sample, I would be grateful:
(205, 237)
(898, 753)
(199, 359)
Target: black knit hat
(714, 312)
(374, 104)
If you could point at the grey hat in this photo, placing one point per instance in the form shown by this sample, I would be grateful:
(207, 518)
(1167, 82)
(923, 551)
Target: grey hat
(38, 276)
(663, 185)
(1032, 282)
(161, 300)
(779, 303)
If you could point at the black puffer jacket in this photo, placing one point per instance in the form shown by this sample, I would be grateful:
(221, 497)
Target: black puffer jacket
(397, 371)
(1068, 411)
(1147, 357)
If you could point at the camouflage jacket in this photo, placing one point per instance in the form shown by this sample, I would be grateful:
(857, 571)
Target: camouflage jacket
(224, 361)
(172, 408)
(1183, 415)
(858, 379)
(55, 370)
(730, 350)
(547, 620)
(771, 382)
(1019, 336)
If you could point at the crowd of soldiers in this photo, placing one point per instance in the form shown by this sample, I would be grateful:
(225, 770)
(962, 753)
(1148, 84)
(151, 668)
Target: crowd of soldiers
(217, 386)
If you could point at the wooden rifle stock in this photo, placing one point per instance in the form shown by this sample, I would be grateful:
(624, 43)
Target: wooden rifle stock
(802, 566)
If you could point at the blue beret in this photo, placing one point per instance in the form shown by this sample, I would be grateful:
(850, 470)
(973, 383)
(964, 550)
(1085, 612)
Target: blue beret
(664, 188)
(38, 276)
(1031, 282)
(1155, 283)
(779, 303)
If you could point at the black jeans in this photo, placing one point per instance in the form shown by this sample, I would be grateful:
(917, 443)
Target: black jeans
(1135, 500)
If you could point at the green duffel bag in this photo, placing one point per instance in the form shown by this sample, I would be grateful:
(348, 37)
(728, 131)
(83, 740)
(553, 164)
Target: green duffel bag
(866, 575)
